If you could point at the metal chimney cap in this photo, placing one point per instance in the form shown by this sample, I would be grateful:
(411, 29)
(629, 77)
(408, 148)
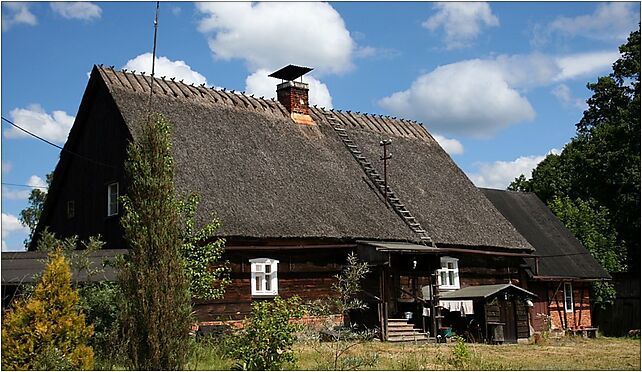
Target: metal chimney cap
(290, 72)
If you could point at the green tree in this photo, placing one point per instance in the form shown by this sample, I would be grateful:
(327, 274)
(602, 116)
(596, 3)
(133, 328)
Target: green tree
(520, 183)
(601, 164)
(590, 224)
(47, 331)
(31, 215)
(156, 314)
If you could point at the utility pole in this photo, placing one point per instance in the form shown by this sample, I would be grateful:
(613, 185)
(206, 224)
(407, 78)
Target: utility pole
(386, 156)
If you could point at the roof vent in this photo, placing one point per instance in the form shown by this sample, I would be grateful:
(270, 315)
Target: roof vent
(294, 94)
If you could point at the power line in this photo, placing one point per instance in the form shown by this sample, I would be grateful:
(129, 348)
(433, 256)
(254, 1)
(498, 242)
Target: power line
(22, 185)
(32, 134)
(57, 146)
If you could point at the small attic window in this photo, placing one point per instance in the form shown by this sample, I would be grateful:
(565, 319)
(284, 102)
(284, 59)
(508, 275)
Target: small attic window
(71, 209)
(264, 277)
(112, 199)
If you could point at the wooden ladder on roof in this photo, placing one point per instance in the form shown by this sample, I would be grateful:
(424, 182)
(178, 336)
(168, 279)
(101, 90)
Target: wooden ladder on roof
(378, 181)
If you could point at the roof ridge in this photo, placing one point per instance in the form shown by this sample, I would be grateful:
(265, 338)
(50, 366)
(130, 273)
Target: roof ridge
(385, 124)
(182, 89)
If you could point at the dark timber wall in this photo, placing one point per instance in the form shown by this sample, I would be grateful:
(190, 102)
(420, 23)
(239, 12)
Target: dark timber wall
(308, 274)
(103, 138)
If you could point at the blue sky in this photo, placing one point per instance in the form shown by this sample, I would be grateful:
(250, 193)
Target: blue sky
(498, 84)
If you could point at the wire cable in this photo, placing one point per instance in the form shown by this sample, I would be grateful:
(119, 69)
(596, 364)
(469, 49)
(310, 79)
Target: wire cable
(57, 146)
(22, 185)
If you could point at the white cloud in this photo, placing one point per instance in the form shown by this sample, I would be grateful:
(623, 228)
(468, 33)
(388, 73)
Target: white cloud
(563, 94)
(6, 167)
(260, 84)
(450, 145)
(53, 127)
(77, 10)
(462, 22)
(470, 97)
(499, 174)
(271, 35)
(15, 13)
(610, 21)
(15, 194)
(165, 67)
(479, 97)
(11, 224)
(11, 193)
(583, 64)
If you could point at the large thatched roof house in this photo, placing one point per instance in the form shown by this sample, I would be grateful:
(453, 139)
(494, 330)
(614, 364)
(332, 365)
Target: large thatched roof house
(298, 187)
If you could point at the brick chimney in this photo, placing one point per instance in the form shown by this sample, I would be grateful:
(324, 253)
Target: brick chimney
(294, 94)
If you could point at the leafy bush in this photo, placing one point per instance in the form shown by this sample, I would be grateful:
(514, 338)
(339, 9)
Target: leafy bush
(265, 342)
(461, 355)
(101, 304)
(202, 252)
(47, 331)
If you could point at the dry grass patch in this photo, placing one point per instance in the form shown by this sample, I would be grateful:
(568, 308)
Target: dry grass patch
(563, 354)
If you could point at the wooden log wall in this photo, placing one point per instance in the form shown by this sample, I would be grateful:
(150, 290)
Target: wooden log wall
(308, 274)
(487, 270)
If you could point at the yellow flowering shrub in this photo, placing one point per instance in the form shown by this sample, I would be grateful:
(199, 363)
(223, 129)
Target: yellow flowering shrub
(47, 331)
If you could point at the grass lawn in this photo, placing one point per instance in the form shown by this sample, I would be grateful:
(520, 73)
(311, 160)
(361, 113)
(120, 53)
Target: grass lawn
(603, 353)
(564, 354)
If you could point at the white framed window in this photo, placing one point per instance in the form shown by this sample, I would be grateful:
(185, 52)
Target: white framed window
(568, 297)
(448, 275)
(112, 199)
(265, 282)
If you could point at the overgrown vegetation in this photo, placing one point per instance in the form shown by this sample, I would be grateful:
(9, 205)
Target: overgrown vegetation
(156, 315)
(593, 185)
(333, 355)
(202, 253)
(46, 331)
(266, 340)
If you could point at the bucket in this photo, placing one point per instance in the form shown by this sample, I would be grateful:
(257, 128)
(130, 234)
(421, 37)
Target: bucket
(408, 315)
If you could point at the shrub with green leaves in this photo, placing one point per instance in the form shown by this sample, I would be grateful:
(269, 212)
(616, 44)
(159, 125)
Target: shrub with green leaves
(47, 330)
(202, 252)
(265, 342)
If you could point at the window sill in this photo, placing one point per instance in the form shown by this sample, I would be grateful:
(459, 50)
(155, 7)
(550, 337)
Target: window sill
(264, 295)
(448, 288)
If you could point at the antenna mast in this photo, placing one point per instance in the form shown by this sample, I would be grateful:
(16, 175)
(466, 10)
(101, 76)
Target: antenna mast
(151, 80)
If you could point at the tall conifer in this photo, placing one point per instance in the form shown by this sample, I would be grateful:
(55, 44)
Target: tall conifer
(157, 312)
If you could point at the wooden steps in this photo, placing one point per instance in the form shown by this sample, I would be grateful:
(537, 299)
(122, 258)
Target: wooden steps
(399, 330)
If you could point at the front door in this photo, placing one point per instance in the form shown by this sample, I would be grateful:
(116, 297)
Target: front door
(507, 316)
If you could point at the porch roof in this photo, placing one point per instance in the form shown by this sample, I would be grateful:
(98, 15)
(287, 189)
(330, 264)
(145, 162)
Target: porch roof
(482, 291)
(401, 247)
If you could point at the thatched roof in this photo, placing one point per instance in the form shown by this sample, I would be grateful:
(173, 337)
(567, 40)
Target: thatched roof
(267, 177)
(562, 255)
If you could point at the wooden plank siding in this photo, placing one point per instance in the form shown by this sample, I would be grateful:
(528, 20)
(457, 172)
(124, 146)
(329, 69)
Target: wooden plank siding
(308, 274)
(103, 139)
